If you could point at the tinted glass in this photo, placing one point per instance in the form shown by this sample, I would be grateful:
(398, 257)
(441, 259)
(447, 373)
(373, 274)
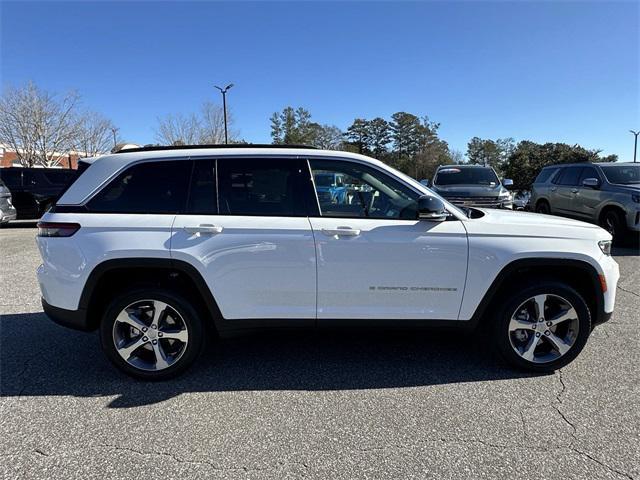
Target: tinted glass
(466, 176)
(263, 186)
(570, 176)
(202, 193)
(151, 187)
(10, 177)
(361, 192)
(588, 172)
(545, 175)
(59, 177)
(622, 174)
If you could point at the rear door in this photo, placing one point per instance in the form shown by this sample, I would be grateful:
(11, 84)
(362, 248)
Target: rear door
(246, 230)
(375, 259)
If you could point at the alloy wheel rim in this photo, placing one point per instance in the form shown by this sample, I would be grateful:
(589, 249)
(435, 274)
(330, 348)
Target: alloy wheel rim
(543, 328)
(150, 335)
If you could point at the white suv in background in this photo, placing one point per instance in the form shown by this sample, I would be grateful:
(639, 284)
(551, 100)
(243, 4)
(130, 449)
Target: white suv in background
(155, 245)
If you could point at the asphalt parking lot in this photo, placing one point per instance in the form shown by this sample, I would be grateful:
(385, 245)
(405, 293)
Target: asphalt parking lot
(401, 405)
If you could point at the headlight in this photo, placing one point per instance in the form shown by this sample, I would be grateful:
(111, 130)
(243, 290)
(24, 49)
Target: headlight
(635, 198)
(605, 246)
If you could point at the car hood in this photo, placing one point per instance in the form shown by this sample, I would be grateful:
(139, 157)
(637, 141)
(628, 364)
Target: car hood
(468, 190)
(632, 189)
(525, 224)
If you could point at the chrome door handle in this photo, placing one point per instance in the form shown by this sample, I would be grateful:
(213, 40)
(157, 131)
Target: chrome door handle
(553, 189)
(574, 190)
(204, 228)
(341, 232)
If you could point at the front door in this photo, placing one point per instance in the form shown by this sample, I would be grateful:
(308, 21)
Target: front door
(586, 200)
(375, 259)
(246, 230)
(566, 184)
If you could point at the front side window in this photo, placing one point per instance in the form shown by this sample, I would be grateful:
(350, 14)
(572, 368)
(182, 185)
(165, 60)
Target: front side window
(260, 187)
(360, 191)
(588, 172)
(150, 187)
(570, 176)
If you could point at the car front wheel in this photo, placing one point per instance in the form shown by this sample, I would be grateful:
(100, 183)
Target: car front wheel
(544, 327)
(151, 334)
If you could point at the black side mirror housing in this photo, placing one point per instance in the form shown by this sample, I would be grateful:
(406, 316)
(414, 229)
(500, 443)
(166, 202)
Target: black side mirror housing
(431, 208)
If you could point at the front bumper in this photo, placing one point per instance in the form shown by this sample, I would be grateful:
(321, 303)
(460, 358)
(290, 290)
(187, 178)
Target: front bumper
(633, 220)
(75, 319)
(7, 214)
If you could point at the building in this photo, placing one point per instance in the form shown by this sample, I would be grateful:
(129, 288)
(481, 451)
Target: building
(9, 158)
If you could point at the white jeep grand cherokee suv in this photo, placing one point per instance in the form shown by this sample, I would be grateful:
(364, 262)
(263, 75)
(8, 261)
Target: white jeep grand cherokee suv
(153, 246)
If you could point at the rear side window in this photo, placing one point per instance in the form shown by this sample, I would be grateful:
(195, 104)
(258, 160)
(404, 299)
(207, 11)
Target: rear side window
(545, 175)
(267, 186)
(150, 187)
(202, 194)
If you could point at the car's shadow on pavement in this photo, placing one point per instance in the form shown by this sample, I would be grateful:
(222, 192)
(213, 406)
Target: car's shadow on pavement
(39, 358)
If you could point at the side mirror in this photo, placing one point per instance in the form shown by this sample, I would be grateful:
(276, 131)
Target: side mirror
(507, 183)
(426, 182)
(591, 183)
(431, 208)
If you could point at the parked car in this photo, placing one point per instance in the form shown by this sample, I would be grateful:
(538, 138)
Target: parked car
(330, 187)
(7, 210)
(33, 190)
(155, 246)
(521, 200)
(607, 194)
(472, 185)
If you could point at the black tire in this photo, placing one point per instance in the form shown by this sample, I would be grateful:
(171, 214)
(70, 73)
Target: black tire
(613, 222)
(502, 335)
(183, 307)
(543, 207)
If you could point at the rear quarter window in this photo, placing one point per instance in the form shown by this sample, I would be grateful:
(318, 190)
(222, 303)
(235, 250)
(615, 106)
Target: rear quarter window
(154, 187)
(545, 175)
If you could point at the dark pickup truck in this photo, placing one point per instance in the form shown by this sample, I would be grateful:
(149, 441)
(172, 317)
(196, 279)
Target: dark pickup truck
(33, 190)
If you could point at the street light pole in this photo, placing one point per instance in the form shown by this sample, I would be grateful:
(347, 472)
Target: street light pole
(114, 130)
(635, 144)
(224, 91)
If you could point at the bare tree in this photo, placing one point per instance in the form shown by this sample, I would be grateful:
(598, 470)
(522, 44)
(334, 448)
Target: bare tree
(176, 129)
(94, 135)
(37, 125)
(194, 129)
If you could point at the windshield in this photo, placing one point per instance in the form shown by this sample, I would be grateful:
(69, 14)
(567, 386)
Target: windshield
(324, 180)
(466, 176)
(622, 174)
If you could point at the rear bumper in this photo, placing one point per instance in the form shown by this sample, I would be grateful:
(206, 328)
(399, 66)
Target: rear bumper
(75, 319)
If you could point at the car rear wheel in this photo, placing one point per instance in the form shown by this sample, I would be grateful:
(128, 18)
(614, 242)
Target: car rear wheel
(543, 207)
(543, 328)
(151, 334)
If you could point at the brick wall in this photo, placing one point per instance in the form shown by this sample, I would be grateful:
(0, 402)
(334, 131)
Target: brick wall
(8, 158)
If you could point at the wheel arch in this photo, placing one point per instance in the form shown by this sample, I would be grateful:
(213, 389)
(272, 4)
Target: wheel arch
(579, 274)
(114, 276)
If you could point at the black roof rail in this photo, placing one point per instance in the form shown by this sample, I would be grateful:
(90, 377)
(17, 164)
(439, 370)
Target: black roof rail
(153, 148)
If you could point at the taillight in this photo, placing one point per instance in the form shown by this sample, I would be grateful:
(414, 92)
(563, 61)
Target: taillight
(57, 229)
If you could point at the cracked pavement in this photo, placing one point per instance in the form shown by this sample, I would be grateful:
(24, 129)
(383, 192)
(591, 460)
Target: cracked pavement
(356, 405)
